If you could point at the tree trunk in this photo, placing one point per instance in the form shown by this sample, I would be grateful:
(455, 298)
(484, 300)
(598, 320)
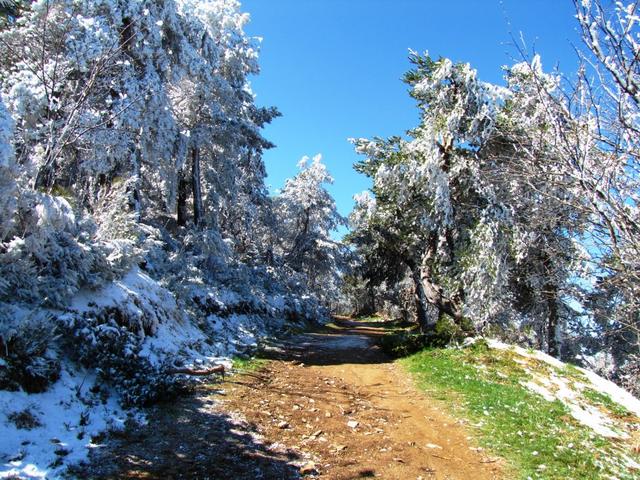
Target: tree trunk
(183, 195)
(433, 294)
(422, 314)
(432, 291)
(551, 293)
(44, 177)
(195, 186)
(135, 204)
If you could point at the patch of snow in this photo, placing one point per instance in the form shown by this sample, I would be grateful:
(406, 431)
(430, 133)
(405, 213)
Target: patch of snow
(535, 354)
(554, 387)
(65, 419)
(540, 390)
(617, 394)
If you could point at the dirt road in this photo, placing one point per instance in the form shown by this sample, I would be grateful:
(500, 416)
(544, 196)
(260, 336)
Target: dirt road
(329, 405)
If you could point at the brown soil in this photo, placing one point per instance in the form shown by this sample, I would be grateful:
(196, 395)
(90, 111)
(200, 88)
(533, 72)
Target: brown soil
(328, 405)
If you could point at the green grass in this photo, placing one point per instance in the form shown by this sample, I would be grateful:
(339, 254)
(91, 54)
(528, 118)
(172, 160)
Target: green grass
(246, 365)
(538, 439)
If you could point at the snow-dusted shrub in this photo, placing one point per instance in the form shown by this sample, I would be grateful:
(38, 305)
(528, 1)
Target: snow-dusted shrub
(50, 255)
(26, 360)
(100, 340)
(48, 267)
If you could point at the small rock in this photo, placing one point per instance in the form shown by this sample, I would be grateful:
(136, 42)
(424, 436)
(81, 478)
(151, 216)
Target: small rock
(352, 424)
(433, 445)
(308, 468)
(282, 425)
(62, 452)
(467, 342)
(327, 414)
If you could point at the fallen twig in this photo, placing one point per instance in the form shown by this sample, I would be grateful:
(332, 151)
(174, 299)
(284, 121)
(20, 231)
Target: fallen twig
(440, 456)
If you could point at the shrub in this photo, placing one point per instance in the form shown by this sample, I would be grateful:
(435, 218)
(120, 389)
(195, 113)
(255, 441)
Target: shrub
(26, 361)
(448, 332)
(102, 341)
(402, 344)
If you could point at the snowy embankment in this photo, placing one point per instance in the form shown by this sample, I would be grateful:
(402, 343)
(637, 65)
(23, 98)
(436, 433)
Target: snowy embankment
(42, 433)
(571, 385)
(608, 411)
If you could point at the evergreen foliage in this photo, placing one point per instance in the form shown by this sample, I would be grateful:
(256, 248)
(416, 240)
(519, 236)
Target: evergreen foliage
(132, 196)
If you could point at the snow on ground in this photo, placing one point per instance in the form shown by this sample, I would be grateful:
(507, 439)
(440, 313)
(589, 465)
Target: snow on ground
(40, 434)
(556, 384)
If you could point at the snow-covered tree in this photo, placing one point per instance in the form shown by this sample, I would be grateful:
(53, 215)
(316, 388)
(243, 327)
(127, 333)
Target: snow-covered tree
(483, 245)
(422, 184)
(307, 215)
(608, 176)
(8, 188)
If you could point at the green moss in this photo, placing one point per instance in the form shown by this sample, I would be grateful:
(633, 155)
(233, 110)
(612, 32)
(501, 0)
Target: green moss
(402, 343)
(245, 365)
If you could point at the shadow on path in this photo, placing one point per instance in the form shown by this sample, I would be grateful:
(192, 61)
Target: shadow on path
(190, 439)
(340, 342)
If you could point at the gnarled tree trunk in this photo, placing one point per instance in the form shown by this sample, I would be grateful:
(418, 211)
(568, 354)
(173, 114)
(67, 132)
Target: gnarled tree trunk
(183, 196)
(196, 187)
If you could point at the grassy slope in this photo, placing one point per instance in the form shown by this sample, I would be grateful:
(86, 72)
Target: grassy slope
(538, 438)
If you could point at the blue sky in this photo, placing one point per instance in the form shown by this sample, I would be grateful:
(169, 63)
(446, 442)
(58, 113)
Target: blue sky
(333, 67)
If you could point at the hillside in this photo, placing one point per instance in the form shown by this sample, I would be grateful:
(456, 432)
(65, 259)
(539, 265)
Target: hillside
(546, 418)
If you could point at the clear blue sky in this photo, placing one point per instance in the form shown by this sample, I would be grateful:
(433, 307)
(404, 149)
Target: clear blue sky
(333, 67)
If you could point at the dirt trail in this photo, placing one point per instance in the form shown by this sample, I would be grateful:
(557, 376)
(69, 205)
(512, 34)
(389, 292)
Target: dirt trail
(330, 405)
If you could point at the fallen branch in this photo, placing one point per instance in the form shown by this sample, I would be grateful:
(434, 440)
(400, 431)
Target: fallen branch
(202, 372)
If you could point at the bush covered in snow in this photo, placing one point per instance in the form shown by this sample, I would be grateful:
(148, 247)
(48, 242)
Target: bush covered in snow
(105, 341)
(26, 359)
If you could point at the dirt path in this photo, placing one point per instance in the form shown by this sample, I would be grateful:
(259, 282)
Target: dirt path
(330, 405)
